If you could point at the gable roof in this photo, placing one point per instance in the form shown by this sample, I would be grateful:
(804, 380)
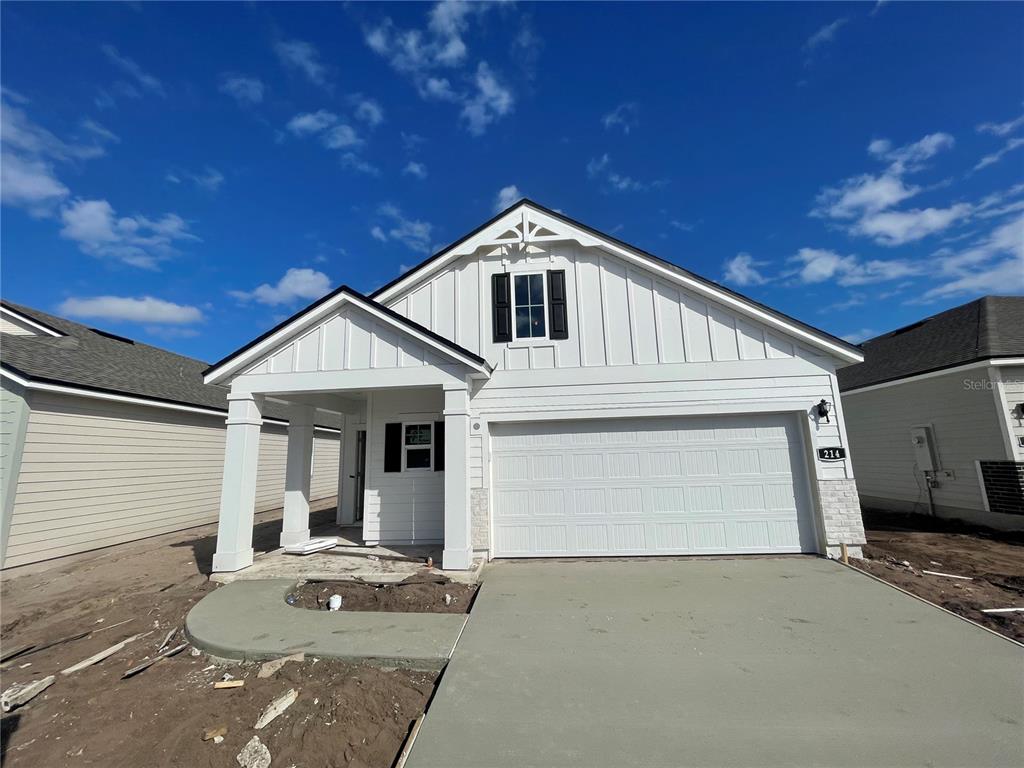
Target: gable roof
(833, 344)
(88, 359)
(261, 344)
(987, 328)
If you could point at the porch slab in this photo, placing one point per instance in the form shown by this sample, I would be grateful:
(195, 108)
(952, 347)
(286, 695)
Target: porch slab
(250, 621)
(349, 560)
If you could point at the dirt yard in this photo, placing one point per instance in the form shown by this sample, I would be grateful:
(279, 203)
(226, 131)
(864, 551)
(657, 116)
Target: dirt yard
(416, 594)
(900, 547)
(345, 715)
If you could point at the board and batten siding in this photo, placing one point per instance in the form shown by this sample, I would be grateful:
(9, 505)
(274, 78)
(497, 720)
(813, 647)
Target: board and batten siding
(350, 340)
(96, 473)
(629, 317)
(961, 411)
(408, 506)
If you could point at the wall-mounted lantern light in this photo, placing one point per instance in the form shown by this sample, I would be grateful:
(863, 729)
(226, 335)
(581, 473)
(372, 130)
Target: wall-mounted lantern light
(823, 408)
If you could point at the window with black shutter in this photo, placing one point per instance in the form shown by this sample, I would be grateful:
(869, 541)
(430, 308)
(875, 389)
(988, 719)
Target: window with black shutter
(559, 316)
(501, 307)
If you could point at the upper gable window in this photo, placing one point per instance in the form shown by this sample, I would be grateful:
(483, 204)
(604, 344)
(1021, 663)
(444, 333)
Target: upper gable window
(529, 307)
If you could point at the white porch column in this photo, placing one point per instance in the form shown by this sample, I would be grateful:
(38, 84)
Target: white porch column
(238, 490)
(346, 514)
(297, 474)
(458, 551)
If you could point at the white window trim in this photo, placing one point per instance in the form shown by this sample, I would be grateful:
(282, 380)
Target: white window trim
(429, 447)
(526, 340)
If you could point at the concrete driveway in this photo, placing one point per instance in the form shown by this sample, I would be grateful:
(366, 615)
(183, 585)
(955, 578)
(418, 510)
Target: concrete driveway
(746, 662)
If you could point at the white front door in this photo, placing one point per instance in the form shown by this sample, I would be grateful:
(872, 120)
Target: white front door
(653, 486)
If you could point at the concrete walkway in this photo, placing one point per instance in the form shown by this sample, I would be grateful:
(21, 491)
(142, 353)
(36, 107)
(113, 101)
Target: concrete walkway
(744, 662)
(250, 620)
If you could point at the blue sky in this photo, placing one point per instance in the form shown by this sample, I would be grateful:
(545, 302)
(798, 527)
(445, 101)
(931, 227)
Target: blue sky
(189, 174)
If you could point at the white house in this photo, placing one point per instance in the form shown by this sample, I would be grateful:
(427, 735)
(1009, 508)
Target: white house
(540, 389)
(936, 415)
(104, 440)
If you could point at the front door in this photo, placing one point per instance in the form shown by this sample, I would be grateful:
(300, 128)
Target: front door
(360, 474)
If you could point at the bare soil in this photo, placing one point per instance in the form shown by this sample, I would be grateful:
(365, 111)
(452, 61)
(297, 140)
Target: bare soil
(345, 715)
(994, 560)
(416, 594)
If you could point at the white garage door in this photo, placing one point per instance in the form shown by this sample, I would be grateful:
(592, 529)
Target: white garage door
(681, 485)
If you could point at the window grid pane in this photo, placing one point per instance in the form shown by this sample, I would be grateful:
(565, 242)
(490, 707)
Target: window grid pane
(417, 458)
(529, 305)
(417, 434)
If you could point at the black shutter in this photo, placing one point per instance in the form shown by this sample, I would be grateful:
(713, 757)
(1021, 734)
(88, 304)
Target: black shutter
(559, 318)
(439, 446)
(392, 447)
(501, 307)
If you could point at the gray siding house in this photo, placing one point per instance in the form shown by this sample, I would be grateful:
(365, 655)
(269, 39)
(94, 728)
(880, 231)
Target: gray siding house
(935, 415)
(104, 440)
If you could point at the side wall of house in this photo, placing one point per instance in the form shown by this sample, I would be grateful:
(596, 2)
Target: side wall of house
(96, 473)
(14, 411)
(960, 409)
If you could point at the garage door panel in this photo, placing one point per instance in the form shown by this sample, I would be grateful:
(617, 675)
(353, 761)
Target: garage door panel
(559, 487)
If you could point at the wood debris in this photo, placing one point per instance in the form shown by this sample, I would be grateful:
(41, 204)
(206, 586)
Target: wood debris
(948, 575)
(269, 668)
(276, 707)
(98, 657)
(1002, 610)
(147, 664)
(212, 733)
(22, 693)
(229, 684)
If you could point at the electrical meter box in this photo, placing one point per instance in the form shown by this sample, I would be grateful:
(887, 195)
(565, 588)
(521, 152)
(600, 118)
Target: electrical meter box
(925, 453)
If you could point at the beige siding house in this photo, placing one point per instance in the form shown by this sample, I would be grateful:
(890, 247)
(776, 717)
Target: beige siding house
(89, 462)
(935, 415)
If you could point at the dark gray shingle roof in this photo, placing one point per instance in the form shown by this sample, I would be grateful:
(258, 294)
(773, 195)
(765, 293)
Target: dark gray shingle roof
(85, 358)
(992, 326)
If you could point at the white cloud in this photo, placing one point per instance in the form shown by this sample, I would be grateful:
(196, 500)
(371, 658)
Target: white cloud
(296, 284)
(134, 240)
(245, 90)
(209, 178)
(100, 131)
(600, 168)
(370, 112)
(131, 68)
(623, 117)
(308, 123)
(423, 54)
(341, 136)
(1006, 239)
(414, 168)
(414, 234)
(994, 264)
(900, 227)
(996, 156)
(866, 201)
(304, 57)
(29, 184)
(816, 265)
(858, 336)
(742, 269)
(491, 101)
(1001, 129)
(505, 197)
(825, 34)
(682, 226)
(28, 178)
(144, 309)
(353, 162)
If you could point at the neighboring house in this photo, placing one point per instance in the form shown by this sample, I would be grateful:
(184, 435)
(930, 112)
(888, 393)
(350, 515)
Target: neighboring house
(106, 440)
(935, 415)
(542, 389)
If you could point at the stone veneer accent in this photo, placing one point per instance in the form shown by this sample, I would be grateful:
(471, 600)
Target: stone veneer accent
(840, 510)
(480, 517)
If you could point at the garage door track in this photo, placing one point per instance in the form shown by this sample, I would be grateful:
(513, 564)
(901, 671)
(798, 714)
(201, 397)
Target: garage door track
(743, 662)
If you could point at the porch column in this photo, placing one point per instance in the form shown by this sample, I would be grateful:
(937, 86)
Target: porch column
(238, 489)
(297, 475)
(458, 552)
(346, 514)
